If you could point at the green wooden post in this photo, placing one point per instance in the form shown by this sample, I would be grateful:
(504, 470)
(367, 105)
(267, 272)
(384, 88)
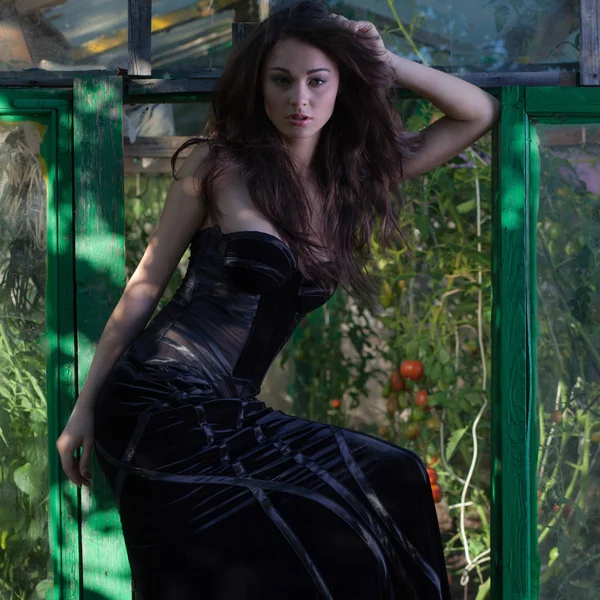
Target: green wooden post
(100, 273)
(514, 434)
(534, 197)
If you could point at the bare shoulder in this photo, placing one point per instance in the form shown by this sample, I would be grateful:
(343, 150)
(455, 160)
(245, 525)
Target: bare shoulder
(194, 161)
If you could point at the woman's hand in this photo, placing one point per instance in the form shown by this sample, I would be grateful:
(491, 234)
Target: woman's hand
(78, 433)
(367, 32)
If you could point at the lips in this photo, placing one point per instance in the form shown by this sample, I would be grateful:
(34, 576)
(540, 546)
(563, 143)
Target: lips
(299, 119)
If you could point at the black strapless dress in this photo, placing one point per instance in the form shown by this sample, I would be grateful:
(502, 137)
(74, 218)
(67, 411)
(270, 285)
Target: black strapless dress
(224, 498)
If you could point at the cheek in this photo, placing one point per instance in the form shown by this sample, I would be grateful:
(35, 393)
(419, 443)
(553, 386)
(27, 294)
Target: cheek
(329, 100)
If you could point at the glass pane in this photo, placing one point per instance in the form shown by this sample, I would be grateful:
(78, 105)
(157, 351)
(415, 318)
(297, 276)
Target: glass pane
(77, 34)
(25, 564)
(152, 133)
(476, 35)
(464, 36)
(194, 36)
(568, 347)
(62, 35)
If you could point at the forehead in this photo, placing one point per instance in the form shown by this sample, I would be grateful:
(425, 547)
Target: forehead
(298, 57)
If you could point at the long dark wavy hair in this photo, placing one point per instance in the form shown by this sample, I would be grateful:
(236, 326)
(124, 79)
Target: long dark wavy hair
(358, 161)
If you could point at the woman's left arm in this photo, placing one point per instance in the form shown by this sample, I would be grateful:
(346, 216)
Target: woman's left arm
(469, 111)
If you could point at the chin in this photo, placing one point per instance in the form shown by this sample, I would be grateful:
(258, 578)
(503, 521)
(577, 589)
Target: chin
(295, 133)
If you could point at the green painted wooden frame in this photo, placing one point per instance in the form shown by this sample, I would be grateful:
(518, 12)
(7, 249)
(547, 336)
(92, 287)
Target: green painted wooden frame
(100, 274)
(52, 108)
(88, 561)
(515, 560)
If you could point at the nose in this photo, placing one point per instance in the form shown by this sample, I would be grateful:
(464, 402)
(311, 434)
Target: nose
(299, 96)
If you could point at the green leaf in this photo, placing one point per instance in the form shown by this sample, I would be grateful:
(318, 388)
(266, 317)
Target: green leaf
(478, 257)
(422, 223)
(25, 479)
(404, 276)
(436, 399)
(466, 207)
(436, 372)
(443, 356)
(454, 440)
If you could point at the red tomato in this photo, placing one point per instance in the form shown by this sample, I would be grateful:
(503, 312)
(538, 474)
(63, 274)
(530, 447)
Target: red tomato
(432, 475)
(432, 461)
(397, 381)
(557, 416)
(436, 490)
(412, 369)
(413, 431)
(335, 403)
(421, 398)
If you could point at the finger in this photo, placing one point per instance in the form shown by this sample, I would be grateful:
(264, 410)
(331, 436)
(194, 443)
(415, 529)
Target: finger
(340, 20)
(70, 467)
(364, 26)
(86, 457)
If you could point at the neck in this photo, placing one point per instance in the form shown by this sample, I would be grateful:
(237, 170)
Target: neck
(302, 152)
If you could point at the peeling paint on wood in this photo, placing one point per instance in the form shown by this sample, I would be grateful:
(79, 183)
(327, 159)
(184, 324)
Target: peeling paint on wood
(590, 43)
(100, 274)
(514, 446)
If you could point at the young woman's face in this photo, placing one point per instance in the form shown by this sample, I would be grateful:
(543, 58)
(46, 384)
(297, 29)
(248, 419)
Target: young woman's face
(300, 85)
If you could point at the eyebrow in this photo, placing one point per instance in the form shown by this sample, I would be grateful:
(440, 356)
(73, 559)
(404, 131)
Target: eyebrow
(307, 72)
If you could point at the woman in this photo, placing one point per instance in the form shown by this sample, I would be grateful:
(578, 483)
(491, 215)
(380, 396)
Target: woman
(220, 496)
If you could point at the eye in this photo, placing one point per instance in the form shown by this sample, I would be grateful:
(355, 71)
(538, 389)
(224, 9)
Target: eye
(318, 81)
(281, 80)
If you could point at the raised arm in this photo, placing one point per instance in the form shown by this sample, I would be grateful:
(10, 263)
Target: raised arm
(181, 217)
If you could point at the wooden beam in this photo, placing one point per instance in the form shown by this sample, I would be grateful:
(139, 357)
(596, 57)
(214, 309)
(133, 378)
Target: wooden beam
(162, 148)
(240, 30)
(140, 90)
(150, 87)
(590, 42)
(567, 136)
(251, 11)
(139, 19)
(159, 166)
(155, 147)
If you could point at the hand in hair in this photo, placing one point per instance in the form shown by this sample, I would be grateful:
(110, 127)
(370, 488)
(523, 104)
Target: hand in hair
(367, 33)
